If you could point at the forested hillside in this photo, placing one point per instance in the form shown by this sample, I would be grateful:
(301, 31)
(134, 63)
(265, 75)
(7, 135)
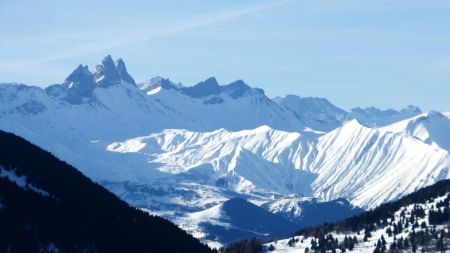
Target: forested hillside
(47, 205)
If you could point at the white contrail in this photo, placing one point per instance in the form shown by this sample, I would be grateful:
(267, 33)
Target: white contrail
(145, 35)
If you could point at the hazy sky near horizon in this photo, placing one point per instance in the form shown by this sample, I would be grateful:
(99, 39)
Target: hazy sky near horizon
(388, 54)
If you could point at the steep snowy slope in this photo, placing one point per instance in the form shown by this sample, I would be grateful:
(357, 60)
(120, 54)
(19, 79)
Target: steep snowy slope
(230, 159)
(432, 128)
(371, 166)
(365, 165)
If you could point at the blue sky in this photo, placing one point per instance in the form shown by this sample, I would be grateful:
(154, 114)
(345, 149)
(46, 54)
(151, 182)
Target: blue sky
(387, 54)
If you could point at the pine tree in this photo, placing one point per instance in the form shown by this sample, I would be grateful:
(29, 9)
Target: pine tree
(423, 225)
(393, 246)
(389, 231)
(406, 244)
(383, 241)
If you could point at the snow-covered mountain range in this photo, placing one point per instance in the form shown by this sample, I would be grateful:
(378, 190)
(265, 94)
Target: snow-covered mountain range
(176, 150)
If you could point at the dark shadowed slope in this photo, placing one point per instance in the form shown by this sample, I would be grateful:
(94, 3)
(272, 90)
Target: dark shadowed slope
(237, 218)
(46, 204)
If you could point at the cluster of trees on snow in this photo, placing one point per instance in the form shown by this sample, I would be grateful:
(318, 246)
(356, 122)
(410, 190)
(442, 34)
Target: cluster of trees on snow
(427, 240)
(329, 243)
(325, 244)
(441, 213)
(252, 245)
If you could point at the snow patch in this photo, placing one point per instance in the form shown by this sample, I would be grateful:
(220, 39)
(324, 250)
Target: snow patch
(154, 91)
(21, 181)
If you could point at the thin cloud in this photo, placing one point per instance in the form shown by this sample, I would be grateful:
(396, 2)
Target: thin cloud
(145, 35)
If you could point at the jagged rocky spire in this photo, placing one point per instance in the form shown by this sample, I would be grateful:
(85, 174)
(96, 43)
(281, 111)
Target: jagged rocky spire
(108, 73)
(80, 83)
(80, 75)
(123, 73)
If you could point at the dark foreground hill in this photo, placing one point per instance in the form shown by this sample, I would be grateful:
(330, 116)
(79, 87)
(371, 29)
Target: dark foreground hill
(47, 205)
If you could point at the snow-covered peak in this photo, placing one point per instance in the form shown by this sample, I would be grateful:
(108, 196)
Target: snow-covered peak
(317, 113)
(79, 84)
(210, 87)
(242, 161)
(155, 84)
(80, 75)
(238, 89)
(432, 128)
(321, 115)
(411, 109)
(351, 126)
(203, 89)
(376, 162)
(122, 71)
(314, 102)
(374, 117)
(108, 73)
